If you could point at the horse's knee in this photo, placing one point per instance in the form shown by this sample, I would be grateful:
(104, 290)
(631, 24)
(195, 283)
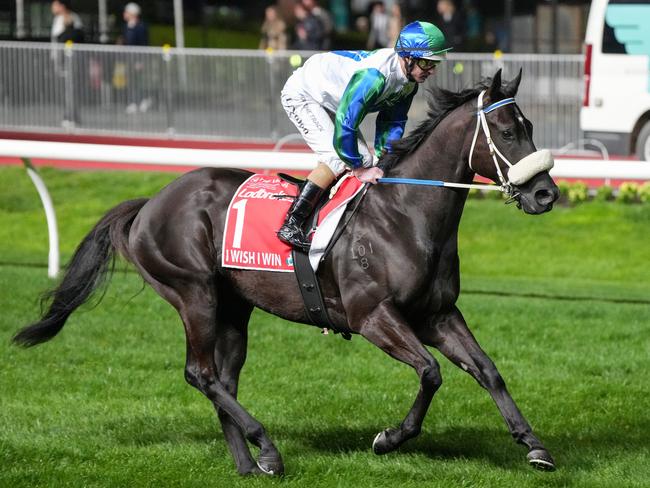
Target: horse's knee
(431, 377)
(201, 378)
(490, 378)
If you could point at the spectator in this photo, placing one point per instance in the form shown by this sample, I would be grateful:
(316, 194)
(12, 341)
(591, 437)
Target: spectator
(473, 19)
(395, 23)
(135, 33)
(490, 41)
(378, 37)
(325, 19)
(362, 25)
(309, 30)
(67, 27)
(451, 23)
(274, 35)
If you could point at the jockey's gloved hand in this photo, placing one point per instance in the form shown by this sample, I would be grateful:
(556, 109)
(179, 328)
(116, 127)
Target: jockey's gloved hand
(368, 175)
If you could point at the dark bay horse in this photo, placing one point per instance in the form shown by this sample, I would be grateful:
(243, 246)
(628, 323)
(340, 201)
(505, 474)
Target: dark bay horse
(401, 298)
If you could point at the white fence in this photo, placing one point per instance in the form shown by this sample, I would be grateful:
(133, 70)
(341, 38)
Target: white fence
(26, 150)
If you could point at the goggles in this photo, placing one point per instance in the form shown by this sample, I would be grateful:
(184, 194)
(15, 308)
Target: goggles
(426, 64)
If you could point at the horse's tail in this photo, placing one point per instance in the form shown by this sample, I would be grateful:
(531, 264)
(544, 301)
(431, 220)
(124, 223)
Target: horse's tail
(92, 261)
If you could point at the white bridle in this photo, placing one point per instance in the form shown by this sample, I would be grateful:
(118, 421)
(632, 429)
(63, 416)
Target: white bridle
(517, 174)
(526, 168)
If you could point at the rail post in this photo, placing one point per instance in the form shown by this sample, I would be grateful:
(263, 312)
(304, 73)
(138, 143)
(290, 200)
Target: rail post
(50, 215)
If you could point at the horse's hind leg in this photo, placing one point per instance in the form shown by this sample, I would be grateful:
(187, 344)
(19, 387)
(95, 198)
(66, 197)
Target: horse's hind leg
(230, 354)
(452, 337)
(199, 311)
(388, 330)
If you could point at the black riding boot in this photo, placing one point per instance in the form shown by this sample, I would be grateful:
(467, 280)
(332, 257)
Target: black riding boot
(292, 231)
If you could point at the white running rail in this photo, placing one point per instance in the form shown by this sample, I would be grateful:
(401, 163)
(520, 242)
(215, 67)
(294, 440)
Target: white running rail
(27, 150)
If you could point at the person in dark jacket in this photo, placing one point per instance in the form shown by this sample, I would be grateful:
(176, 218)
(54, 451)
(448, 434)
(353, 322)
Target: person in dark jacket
(309, 30)
(135, 31)
(135, 34)
(452, 23)
(67, 28)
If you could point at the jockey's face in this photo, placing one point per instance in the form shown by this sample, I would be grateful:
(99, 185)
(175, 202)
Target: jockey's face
(419, 74)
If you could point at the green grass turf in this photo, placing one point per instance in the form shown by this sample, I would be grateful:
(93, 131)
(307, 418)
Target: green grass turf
(105, 403)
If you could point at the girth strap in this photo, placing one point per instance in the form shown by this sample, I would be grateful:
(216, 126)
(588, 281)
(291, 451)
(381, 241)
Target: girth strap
(312, 297)
(311, 294)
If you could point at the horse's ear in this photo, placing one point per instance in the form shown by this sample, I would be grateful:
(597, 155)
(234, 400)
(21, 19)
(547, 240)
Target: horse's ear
(510, 90)
(495, 87)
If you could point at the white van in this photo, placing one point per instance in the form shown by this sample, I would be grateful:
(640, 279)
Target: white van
(616, 103)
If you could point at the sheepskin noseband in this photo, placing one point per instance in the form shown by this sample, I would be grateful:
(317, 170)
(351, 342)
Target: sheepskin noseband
(529, 166)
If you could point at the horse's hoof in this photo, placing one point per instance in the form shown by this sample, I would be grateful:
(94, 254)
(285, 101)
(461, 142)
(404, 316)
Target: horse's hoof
(381, 444)
(541, 459)
(253, 470)
(270, 466)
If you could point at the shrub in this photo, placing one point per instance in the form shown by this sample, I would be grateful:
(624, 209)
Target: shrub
(644, 192)
(578, 192)
(605, 193)
(627, 192)
(564, 186)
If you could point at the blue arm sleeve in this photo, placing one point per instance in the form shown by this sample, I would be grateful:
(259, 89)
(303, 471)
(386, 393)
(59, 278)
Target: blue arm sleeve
(362, 90)
(391, 122)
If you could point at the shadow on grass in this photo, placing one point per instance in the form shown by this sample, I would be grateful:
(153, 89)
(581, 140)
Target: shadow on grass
(494, 446)
(486, 445)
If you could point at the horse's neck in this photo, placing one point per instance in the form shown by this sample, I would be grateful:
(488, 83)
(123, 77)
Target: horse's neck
(439, 157)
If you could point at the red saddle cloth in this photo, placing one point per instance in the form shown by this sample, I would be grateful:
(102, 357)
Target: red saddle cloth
(255, 214)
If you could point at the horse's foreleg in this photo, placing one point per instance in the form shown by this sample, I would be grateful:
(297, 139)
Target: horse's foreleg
(452, 337)
(386, 328)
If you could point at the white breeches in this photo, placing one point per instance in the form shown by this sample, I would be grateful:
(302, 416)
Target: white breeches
(316, 125)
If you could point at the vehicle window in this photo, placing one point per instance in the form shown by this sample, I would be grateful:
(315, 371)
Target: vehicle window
(627, 23)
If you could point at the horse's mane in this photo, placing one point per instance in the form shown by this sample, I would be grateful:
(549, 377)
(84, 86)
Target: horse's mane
(440, 102)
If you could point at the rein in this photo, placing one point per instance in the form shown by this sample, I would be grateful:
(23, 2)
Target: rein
(415, 181)
(481, 122)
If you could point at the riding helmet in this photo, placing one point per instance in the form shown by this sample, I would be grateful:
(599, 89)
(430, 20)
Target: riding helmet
(422, 40)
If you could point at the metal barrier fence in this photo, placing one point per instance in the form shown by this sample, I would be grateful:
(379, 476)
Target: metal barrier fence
(231, 94)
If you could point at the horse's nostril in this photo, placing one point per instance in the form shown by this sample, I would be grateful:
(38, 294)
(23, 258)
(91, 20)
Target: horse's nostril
(544, 197)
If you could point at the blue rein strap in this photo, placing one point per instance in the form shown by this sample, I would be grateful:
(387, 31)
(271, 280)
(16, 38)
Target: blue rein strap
(413, 181)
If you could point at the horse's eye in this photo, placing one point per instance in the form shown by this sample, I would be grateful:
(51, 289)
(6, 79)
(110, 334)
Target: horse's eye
(507, 134)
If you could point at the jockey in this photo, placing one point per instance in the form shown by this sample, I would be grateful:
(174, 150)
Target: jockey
(330, 95)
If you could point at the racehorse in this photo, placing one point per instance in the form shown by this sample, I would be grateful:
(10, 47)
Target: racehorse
(401, 298)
